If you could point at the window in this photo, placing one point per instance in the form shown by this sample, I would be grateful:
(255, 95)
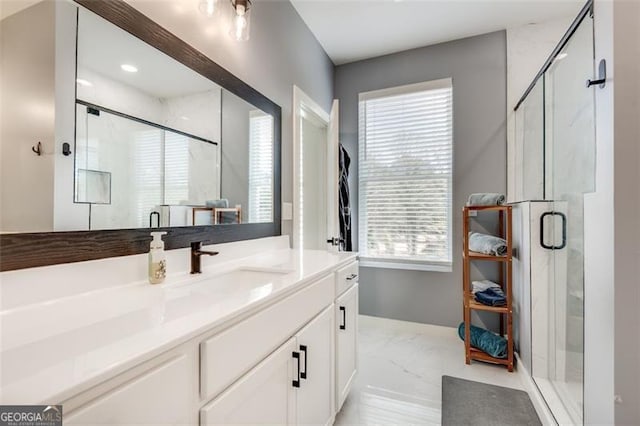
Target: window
(146, 185)
(176, 168)
(405, 168)
(260, 167)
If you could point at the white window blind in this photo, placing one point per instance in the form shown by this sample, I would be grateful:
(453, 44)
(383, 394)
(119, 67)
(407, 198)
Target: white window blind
(405, 174)
(260, 167)
(176, 168)
(146, 186)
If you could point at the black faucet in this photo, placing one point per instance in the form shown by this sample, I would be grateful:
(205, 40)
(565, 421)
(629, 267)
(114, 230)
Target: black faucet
(196, 252)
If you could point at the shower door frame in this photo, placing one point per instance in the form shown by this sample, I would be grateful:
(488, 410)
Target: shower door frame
(558, 408)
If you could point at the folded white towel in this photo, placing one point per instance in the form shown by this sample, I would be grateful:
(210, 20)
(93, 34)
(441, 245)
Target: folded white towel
(486, 199)
(483, 285)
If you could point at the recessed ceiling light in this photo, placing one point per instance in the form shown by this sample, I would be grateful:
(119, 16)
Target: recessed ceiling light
(185, 118)
(83, 82)
(128, 68)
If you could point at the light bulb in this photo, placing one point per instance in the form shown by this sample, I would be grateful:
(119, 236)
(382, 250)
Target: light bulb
(240, 25)
(208, 7)
(240, 28)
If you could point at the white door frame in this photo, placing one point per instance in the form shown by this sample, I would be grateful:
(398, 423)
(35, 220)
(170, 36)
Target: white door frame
(301, 101)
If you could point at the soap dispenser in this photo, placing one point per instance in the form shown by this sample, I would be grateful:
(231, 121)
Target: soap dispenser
(157, 259)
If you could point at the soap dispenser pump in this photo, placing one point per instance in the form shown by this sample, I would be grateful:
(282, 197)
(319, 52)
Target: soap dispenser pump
(157, 259)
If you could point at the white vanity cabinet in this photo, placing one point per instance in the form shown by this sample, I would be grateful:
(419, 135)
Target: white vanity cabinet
(161, 394)
(283, 364)
(346, 310)
(226, 356)
(292, 386)
(314, 397)
(265, 395)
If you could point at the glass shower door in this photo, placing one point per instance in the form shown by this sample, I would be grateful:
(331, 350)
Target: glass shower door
(570, 173)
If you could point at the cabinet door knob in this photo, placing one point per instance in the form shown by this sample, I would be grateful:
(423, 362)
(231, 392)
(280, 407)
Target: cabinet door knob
(296, 356)
(303, 374)
(352, 277)
(343, 326)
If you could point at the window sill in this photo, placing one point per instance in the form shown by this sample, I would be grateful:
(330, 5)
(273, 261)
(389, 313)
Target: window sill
(407, 265)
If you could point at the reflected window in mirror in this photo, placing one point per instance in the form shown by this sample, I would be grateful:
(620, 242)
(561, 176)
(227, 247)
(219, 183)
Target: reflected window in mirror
(260, 167)
(247, 158)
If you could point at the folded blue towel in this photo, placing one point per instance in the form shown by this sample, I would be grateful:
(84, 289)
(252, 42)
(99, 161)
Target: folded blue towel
(486, 199)
(491, 297)
(486, 341)
(487, 244)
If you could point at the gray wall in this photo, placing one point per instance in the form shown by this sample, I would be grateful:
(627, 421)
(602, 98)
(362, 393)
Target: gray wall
(281, 52)
(478, 68)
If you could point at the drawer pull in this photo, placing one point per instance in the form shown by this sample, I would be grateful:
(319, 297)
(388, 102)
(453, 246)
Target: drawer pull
(352, 277)
(343, 326)
(296, 356)
(303, 374)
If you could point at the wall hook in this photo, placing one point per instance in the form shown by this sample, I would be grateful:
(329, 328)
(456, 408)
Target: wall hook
(602, 75)
(66, 149)
(37, 149)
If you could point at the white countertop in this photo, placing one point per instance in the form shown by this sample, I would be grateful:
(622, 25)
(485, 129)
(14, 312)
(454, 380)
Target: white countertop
(55, 349)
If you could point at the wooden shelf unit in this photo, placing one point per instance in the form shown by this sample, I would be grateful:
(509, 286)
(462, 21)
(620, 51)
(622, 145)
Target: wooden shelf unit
(504, 264)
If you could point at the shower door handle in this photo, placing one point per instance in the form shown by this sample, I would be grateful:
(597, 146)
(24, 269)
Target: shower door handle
(564, 230)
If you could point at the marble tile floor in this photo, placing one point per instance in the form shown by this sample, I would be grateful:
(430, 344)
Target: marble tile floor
(400, 369)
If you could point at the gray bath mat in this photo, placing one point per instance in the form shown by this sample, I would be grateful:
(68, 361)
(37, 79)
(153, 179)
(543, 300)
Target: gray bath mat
(473, 403)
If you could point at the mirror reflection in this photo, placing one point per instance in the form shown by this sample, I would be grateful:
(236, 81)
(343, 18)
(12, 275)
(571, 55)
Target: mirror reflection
(153, 143)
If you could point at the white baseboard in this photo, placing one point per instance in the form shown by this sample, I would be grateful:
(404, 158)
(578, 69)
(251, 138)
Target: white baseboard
(546, 417)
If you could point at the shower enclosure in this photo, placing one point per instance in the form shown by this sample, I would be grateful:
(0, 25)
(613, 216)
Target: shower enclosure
(555, 159)
(126, 168)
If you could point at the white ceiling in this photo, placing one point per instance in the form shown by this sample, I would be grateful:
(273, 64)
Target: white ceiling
(103, 47)
(351, 30)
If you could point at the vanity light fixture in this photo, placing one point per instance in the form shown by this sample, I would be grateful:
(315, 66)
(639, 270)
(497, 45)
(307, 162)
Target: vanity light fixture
(83, 82)
(239, 30)
(208, 7)
(240, 27)
(128, 68)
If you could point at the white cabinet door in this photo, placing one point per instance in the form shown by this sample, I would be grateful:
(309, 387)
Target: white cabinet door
(162, 396)
(315, 395)
(227, 356)
(265, 395)
(346, 335)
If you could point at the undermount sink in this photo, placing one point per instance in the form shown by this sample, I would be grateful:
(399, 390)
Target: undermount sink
(247, 278)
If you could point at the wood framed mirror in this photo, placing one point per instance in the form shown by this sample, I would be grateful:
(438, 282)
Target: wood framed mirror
(96, 201)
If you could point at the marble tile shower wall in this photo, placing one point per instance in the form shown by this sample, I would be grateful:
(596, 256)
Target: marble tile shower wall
(117, 142)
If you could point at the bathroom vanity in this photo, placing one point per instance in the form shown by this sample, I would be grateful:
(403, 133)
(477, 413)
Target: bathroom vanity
(155, 136)
(265, 335)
